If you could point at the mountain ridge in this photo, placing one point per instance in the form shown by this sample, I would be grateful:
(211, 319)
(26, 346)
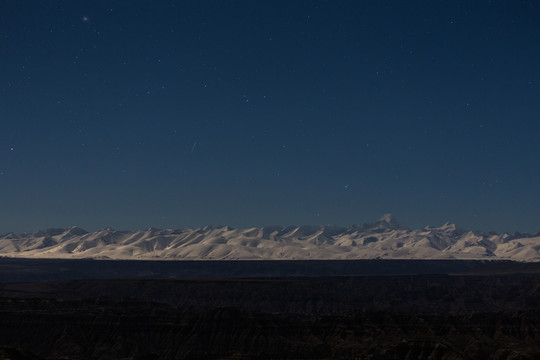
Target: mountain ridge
(385, 239)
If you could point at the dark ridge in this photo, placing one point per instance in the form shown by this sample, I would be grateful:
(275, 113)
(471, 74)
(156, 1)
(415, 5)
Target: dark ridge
(19, 270)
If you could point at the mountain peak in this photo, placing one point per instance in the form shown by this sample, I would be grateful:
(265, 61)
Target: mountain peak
(75, 230)
(389, 221)
(449, 225)
(449, 228)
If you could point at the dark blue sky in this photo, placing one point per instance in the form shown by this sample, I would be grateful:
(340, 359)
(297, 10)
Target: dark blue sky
(133, 114)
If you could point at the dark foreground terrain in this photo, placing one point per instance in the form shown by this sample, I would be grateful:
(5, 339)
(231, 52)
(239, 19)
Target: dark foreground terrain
(19, 270)
(476, 314)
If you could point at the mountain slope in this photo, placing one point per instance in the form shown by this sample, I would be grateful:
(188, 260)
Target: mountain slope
(385, 238)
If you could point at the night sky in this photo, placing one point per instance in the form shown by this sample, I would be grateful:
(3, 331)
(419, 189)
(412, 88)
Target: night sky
(173, 114)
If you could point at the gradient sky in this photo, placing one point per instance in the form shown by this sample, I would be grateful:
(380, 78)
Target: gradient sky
(175, 114)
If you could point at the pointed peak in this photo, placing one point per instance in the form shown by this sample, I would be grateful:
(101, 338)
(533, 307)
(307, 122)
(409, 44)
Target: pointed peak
(225, 228)
(448, 228)
(75, 230)
(389, 221)
(449, 225)
(10, 235)
(387, 218)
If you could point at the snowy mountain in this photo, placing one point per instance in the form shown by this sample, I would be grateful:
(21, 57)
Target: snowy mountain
(385, 238)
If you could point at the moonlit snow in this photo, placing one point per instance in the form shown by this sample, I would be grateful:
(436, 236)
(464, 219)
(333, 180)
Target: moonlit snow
(385, 239)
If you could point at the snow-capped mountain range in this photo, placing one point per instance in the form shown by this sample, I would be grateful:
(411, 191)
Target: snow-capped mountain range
(385, 238)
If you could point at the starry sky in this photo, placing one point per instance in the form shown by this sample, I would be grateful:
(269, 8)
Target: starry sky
(176, 114)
